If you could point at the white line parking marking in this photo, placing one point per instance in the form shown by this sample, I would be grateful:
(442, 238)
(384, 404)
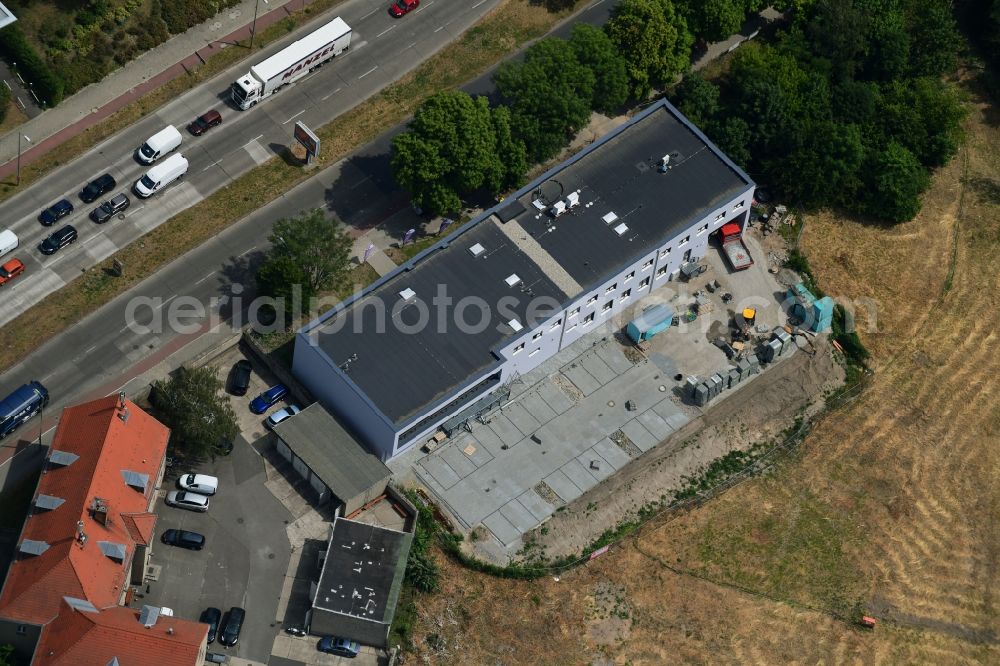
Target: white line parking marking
(387, 30)
(368, 72)
(294, 117)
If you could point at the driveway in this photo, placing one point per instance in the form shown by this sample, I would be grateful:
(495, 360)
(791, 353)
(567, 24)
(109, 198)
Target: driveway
(245, 558)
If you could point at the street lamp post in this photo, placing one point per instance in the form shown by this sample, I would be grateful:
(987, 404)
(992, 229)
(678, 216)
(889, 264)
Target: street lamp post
(19, 137)
(253, 28)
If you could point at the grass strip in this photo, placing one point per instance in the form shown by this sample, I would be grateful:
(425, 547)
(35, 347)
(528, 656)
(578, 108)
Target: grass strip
(500, 33)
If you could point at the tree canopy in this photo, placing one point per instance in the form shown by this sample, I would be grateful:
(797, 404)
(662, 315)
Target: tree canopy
(191, 404)
(550, 94)
(455, 145)
(311, 251)
(595, 50)
(654, 39)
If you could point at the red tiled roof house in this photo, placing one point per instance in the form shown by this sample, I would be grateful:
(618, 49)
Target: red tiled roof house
(86, 541)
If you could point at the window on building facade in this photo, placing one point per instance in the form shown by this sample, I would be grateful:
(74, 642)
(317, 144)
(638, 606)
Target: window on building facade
(589, 318)
(536, 335)
(738, 206)
(571, 328)
(555, 325)
(575, 312)
(607, 306)
(611, 288)
(686, 239)
(592, 300)
(645, 282)
(518, 348)
(626, 294)
(719, 216)
(646, 266)
(630, 276)
(664, 253)
(661, 272)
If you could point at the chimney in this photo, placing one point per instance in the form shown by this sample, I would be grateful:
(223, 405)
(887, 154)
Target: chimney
(100, 511)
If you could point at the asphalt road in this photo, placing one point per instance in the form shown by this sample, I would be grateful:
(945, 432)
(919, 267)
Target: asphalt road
(382, 50)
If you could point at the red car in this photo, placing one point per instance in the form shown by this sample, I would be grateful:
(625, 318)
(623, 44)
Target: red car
(10, 270)
(402, 7)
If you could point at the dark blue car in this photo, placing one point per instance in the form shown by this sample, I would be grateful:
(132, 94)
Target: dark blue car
(55, 212)
(268, 399)
(339, 646)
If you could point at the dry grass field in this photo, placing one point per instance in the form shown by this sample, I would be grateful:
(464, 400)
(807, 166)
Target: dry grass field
(891, 505)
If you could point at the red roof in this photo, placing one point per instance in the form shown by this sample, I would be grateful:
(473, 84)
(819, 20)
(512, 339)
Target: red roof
(107, 445)
(84, 638)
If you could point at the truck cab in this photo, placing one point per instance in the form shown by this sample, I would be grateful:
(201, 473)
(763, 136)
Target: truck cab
(246, 92)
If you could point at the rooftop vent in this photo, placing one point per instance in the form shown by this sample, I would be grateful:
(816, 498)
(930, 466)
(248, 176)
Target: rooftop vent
(148, 615)
(610, 217)
(558, 208)
(477, 249)
(621, 228)
(573, 199)
(664, 163)
(512, 279)
(515, 324)
(407, 294)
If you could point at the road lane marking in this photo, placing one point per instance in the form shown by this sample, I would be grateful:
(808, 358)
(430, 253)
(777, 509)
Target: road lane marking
(439, 29)
(332, 94)
(367, 15)
(205, 278)
(215, 163)
(89, 349)
(251, 141)
(294, 117)
(387, 30)
(411, 46)
(368, 72)
(477, 4)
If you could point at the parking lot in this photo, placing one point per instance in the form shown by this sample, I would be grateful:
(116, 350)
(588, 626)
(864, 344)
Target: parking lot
(246, 552)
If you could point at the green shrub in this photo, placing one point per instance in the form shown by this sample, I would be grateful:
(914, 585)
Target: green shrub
(15, 47)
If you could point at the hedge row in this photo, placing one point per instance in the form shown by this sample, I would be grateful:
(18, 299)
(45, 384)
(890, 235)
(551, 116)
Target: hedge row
(15, 48)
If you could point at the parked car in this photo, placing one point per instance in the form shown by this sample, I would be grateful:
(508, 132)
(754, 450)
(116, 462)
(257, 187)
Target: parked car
(97, 187)
(110, 208)
(240, 377)
(216, 657)
(58, 239)
(231, 627)
(281, 415)
(183, 539)
(187, 500)
(203, 484)
(402, 7)
(339, 646)
(268, 399)
(55, 212)
(10, 270)
(205, 122)
(211, 617)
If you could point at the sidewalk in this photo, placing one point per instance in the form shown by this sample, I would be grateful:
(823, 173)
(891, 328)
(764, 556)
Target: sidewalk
(174, 57)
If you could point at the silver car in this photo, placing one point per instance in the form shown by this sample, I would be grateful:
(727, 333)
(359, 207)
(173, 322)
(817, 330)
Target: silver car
(183, 499)
(203, 484)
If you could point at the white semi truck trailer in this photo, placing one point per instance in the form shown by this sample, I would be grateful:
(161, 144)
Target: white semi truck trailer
(291, 63)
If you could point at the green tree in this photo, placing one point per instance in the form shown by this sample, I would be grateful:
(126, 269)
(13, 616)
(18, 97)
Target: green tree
(925, 116)
(550, 95)
(836, 30)
(311, 250)
(888, 40)
(896, 180)
(191, 404)
(654, 39)
(826, 168)
(450, 149)
(732, 136)
(697, 98)
(4, 102)
(595, 50)
(513, 156)
(935, 38)
(714, 20)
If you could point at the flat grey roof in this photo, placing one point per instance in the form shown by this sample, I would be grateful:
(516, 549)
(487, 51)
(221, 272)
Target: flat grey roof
(404, 373)
(6, 16)
(363, 571)
(331, 452)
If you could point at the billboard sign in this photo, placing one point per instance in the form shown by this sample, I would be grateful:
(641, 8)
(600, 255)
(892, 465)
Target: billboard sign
(307, 138)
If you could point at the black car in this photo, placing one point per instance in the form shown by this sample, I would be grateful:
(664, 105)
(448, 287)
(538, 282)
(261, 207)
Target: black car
(110, 208)
(55, 212)
(97, 187)
(184, 539)
(231, 627)
(211, 617)
(58, 239)
(241, 377)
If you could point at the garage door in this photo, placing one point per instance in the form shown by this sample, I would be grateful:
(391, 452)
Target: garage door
(283, 449)
(320, 488)
(300, 467)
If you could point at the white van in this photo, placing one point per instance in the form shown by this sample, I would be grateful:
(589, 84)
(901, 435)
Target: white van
(158, 145)
(8, 241)
(161, 175)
